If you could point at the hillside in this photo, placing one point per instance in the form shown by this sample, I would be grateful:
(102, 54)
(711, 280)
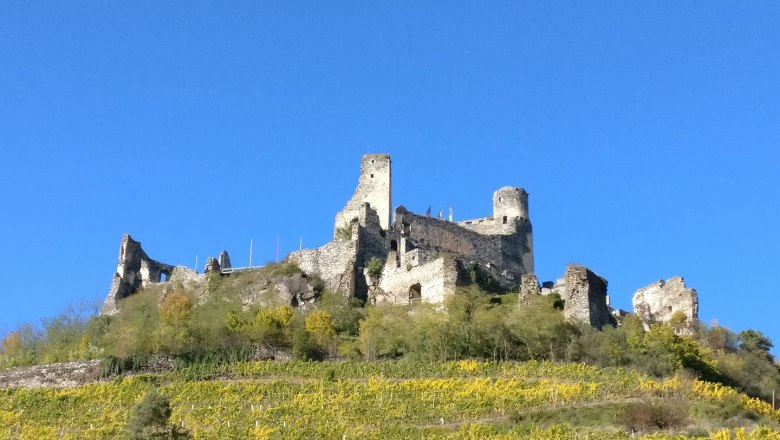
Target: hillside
(396, 400)
(477, 366)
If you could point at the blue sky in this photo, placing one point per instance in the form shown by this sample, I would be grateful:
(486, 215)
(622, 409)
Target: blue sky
(645, 132)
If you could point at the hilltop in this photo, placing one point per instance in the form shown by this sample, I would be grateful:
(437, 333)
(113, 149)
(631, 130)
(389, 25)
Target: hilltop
(402, 326)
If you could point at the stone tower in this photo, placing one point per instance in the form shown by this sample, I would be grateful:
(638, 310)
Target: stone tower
(134, 270)
(374, 188)
(510, 202)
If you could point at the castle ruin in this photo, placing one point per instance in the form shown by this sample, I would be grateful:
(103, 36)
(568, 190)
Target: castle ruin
(384, 255)
(422, 258)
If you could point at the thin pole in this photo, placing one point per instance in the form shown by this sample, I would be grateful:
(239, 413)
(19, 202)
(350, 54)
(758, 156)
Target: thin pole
(250, 253)
(277, 249)
(196, 263)
(300, 244)
(773, 400)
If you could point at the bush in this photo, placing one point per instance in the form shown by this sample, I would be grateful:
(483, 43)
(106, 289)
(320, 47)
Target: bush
(150, 419)
(344, 232)
(304, 348)
(374, 268)
(656, 414)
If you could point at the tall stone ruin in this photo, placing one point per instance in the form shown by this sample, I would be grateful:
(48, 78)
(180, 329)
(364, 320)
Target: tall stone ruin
(421, 257)
(136, 270)
(659, 301)
(585, 296)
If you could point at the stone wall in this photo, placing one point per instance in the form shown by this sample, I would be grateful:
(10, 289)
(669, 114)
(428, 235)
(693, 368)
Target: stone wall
(510, 202)
(334, 262)
(529, 286)
(509, 254)
(374, 188)
(134, 270)
(585, 296)
(432, 281)
(659, 301)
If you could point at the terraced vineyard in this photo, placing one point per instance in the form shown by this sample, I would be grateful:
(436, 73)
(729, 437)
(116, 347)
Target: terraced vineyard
(391, 400)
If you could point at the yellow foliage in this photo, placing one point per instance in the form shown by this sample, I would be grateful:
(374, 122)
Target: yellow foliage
(276, 316)
(175, 308)
(12, 344)
(320, 326)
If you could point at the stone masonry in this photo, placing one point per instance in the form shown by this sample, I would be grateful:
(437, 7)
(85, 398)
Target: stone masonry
(136, 270)
(419, 256)
(411, 257)
(585, 297)
(659, 301)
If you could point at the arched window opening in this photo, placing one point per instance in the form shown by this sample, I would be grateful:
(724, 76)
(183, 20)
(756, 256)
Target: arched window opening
(415, 292)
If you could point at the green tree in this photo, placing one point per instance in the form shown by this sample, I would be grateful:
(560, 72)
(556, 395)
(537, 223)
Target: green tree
(150, 419)
(346, 312)
(540, 328)
(384, 332)
(754, 341)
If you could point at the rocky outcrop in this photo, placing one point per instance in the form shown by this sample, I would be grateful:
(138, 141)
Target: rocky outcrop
(63, 375)
(659, 301)
(585, 296)
(296, 290)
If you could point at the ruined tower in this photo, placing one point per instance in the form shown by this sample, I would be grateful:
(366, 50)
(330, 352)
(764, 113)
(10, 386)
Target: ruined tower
(374, 188)
(135, 270)
(510, 202)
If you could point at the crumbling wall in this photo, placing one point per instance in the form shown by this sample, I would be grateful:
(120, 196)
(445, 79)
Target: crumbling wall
(224, 260)
(374, 188)
(212, 265)
(185, 275)
(432, 281)
(585, 296)
(509, 255)
(334, 262)
(529, 286)
(659, 301)
(134, 270)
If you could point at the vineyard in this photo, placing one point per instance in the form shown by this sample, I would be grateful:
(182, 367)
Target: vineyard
(380, 400)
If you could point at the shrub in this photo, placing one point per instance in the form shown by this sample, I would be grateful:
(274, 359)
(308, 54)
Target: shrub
(344, 232)
(656, 414)
(304, 348)
(150, 419)
(375, 266)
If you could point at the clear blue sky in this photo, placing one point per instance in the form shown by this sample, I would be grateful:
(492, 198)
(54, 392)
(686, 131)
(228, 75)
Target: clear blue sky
(647, 134)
